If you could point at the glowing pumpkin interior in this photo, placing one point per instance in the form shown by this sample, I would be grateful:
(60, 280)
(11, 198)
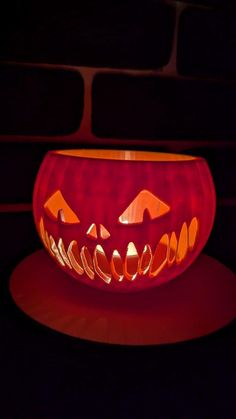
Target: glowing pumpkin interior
(123, 220)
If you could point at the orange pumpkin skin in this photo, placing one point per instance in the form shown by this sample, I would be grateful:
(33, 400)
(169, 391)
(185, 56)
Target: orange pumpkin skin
(123, 221)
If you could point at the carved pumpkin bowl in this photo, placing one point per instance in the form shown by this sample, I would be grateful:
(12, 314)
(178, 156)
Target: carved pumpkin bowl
(123, 220)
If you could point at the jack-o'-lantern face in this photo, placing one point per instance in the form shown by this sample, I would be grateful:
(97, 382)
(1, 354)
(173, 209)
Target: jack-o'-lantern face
(119, 224)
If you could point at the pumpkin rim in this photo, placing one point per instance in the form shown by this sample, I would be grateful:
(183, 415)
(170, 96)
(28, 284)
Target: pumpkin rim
(125, 155)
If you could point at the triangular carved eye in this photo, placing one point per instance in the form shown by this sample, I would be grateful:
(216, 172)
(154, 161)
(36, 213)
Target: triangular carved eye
(144, 201)
(57, 207)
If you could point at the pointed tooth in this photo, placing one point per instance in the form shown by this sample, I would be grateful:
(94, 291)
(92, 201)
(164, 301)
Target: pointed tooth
(160, 256)
(42, 231)
(55, 251)
(45, 237)
(43, 234)
(92, 231)
(117, 266)
(104, 233)
(101, 264)
(182, 244)
(87, 262)
(62, 251)
(145, 260)
(61, 216)
(131, 262)
(47, 240)
(172, 248)
(74, 257)
(192, 233)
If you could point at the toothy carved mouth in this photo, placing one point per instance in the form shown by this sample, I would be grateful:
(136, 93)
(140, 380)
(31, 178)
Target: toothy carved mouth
(168, 251)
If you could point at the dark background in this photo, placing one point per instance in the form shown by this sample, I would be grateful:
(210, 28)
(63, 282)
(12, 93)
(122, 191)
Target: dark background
(188, 107)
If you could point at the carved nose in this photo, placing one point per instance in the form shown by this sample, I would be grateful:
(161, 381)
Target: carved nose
(94, 232)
